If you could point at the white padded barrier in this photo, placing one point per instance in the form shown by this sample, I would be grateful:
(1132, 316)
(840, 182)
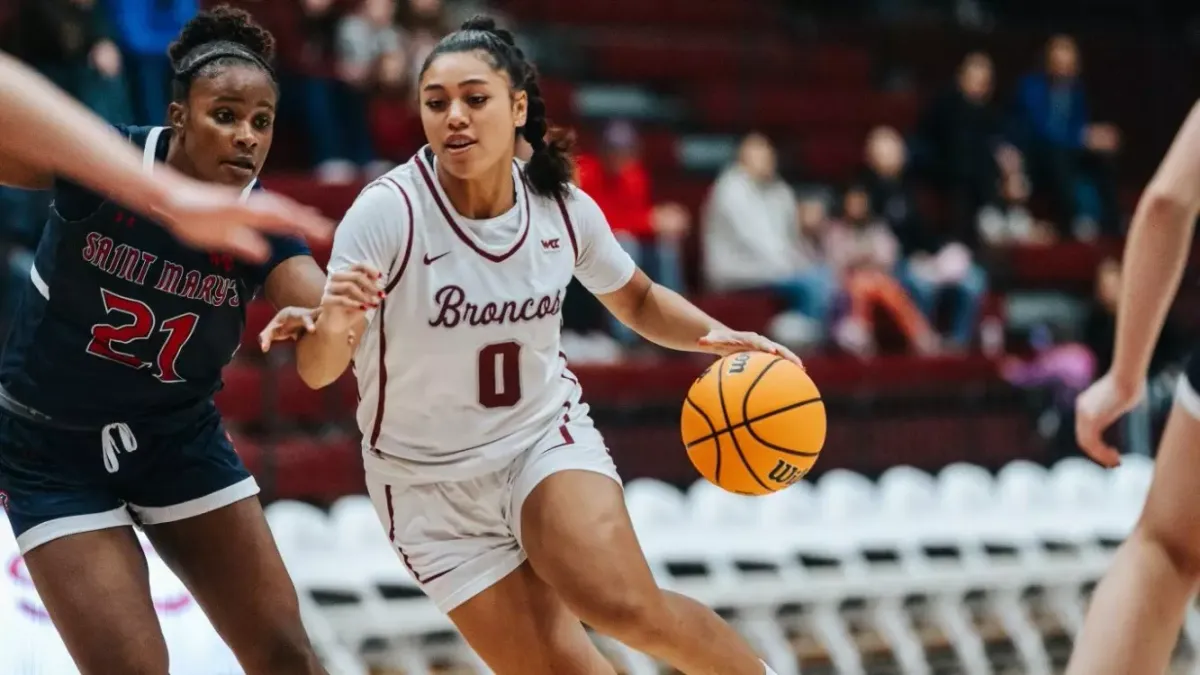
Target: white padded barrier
(827, 559)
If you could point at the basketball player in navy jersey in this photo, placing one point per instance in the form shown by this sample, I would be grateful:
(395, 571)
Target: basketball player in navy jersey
(106, 410)
(1139, 607)
(44, 130)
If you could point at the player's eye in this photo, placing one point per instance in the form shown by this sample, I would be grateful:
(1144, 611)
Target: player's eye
(262, 122)
(435, 104)
(224, 116)
(477, 100)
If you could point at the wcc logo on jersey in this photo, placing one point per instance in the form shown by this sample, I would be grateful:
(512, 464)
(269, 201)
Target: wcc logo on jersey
(551, 244)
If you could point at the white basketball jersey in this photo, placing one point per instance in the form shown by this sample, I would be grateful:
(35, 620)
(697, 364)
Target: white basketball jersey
(461, 369)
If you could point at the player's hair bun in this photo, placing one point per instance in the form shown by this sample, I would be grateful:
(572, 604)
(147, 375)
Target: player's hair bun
(480, 22)
(486, 24)
(223, 24)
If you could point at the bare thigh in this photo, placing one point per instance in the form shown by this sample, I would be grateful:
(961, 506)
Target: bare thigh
(519, 626)
(586, 549)
(96, 587)
(1171, 516)
(229, 561)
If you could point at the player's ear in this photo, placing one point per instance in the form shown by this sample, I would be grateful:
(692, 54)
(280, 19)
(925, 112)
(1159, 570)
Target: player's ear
(176, 115)
(520, 108)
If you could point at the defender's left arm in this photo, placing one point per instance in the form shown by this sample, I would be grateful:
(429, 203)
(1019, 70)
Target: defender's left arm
(655, 312)
(295, 282)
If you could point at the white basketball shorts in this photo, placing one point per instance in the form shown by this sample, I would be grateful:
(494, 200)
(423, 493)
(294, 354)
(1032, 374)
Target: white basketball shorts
(458, 538)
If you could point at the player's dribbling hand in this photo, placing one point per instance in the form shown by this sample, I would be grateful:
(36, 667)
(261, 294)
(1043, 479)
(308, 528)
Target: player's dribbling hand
(349, 295)
(726, 342)
(1095, 410)
(290, 323)
(214, 217)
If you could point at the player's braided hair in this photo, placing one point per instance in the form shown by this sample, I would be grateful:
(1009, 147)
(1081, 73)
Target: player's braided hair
(215, 39)
(550, 168)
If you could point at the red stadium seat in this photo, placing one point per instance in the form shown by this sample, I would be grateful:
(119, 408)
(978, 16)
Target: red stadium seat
(258, 314)
(321, 251)
(344, 400)
(832, 157)
(320, 469)
(295, 402)
(249, 450)
(241, 400)
(748, 311)
(331, 200)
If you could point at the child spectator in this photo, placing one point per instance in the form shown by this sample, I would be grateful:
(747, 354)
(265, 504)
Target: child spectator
(862, 251)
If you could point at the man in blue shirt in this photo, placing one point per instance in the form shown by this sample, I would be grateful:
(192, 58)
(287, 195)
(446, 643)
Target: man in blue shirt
(1069, 155)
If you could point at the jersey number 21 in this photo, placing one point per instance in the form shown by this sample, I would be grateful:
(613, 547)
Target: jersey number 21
(108, 339)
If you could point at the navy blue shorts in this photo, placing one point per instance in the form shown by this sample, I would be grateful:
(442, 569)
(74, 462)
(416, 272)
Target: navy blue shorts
(56, 482)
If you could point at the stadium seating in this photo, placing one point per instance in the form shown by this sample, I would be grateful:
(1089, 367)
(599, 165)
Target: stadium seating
(914, 574)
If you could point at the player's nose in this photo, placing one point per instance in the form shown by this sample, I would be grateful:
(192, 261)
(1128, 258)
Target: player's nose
(457, 115)
(244, 137)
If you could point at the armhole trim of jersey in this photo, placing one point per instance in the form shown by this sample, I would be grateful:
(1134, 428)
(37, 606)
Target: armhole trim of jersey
(566, 215)
(403, 260)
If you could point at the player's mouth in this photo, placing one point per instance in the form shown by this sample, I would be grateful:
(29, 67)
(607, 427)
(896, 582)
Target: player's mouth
(458, 144)
(241, 166)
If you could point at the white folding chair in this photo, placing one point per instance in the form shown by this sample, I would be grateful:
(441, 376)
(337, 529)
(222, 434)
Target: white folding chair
(299, 527)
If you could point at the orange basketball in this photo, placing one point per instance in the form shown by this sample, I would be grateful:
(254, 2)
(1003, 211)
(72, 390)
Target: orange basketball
(753, 423)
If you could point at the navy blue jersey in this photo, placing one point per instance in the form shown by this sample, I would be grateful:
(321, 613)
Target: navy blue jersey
(121, 321)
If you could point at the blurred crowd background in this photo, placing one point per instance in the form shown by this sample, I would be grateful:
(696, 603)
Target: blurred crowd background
(926, 197)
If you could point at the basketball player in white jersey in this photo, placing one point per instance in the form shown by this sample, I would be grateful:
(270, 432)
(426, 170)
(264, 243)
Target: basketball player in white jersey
(1139, 607)
(30, 645)
(41, 127)
(488, 475)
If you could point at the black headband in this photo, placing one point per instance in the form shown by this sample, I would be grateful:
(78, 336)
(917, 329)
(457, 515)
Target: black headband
(207, 53)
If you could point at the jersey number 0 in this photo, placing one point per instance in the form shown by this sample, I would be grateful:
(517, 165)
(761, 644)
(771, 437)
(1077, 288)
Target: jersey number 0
(108, 338)
(500, 375)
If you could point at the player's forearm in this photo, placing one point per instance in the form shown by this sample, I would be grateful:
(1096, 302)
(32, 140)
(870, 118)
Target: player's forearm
(323, 355)
(1155, 256)
(42, 127)
(666, 318)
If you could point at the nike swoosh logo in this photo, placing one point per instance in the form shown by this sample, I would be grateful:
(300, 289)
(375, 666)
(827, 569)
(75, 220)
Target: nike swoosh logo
(429, 261)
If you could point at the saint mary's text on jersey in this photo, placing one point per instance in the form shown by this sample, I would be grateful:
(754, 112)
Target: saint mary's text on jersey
(132, 264)
(454, 309)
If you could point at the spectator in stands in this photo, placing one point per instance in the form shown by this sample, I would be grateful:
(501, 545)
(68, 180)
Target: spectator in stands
(425, 21)
(961, 140)
(145, 28)
(1007, 220)
(653, 234)
(370, 53)
(929, 264)
(71, 43)
(863, 253)
(756, 239)
(1069, 155)
(1066, 369)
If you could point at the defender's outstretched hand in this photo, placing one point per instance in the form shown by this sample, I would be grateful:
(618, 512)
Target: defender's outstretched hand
(291, 323)
(214, 217)
(349, 295)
